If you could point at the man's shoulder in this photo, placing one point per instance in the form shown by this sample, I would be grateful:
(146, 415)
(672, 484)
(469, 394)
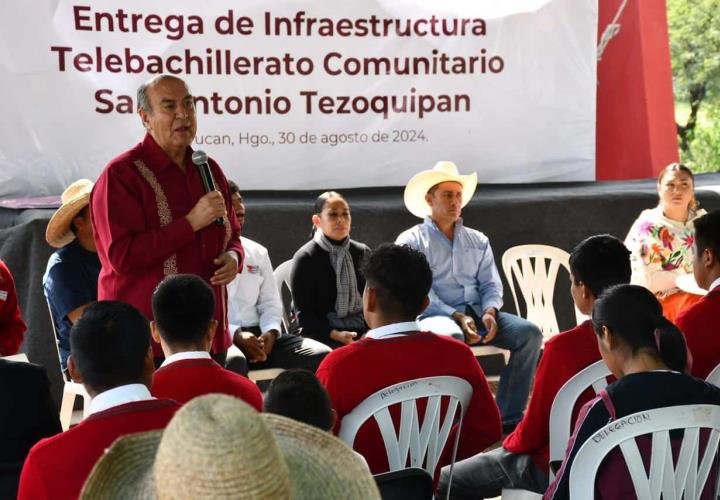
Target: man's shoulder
(474, 236)
(579, 334)
(410, 235)
(704, 311)
(252, 245)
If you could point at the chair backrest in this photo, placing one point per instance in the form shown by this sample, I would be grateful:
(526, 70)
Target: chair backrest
(594, 376)
(535, 268)
(412, 483)
(282, 276)
(416, 443)
(714, 376)
(20, 357)
(688, 476)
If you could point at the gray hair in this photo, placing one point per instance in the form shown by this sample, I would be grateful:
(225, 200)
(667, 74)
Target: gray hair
(143, 101)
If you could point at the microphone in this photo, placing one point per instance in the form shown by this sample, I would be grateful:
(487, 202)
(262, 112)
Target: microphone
(200, 159)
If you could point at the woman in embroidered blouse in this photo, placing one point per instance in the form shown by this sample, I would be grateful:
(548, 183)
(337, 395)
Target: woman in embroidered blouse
(326, 281)
(661, 240)
(649, 357)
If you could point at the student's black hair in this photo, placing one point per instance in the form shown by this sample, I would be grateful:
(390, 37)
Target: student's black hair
(183, 306)
(109, 344)
(233, 187)
(298, 394)
(707, 232)
(401, 277)
(599, 262)
(634, 315)
(320, 204)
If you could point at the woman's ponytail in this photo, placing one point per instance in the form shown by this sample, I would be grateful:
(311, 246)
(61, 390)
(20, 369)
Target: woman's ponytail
(671, 345)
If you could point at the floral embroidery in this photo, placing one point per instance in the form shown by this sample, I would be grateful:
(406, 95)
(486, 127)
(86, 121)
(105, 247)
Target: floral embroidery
(164, 213)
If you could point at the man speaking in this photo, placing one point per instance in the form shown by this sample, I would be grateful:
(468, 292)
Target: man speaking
(152, 217)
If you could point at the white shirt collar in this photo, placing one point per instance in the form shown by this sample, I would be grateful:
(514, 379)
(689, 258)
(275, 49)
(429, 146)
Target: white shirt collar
(393, 330)
(714, 284)
(179, 356)
(119, 396)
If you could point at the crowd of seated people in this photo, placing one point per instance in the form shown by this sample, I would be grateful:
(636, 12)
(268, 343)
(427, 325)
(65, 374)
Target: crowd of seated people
(362, 325)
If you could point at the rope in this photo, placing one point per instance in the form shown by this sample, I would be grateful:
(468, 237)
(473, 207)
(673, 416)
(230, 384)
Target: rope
(611, 31)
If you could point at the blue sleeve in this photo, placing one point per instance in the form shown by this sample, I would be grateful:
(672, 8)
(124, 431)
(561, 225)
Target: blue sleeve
(66, 290)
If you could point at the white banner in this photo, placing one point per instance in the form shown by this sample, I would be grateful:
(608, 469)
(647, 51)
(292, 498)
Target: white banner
(305, 95)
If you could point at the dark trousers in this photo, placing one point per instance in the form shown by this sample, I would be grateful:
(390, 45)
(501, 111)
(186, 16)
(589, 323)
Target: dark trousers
(289, 351)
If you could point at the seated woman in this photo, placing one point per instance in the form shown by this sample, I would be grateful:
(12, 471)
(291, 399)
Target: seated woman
(661, 240)
(326, 281)
(648, 356)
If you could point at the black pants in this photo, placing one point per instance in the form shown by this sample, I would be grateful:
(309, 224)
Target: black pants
(289, 351)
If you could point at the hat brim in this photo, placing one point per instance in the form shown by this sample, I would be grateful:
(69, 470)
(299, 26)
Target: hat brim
(58, 233)
(125, 470)
(321, 466)
(420, 184)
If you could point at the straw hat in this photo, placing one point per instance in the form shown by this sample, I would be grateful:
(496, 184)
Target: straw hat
(216, 446)
(420, 184)
(74, 199)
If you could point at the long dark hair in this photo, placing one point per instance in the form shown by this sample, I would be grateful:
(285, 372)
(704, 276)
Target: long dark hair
(634, 314)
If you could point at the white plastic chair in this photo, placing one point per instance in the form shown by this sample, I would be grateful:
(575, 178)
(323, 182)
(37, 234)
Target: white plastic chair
(690, 474)
(71, 389)
(594, 376)
(20, 357)
(416, 443)
(535, 269)
(282, 277)
(714, 376)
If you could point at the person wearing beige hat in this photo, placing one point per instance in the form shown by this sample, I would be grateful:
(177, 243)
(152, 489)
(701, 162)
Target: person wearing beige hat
(71, 276)
(216, 447)
(466, 294)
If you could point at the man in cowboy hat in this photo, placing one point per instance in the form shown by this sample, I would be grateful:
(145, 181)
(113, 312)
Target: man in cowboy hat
(466, 294)
(71, 278)
(152, 217)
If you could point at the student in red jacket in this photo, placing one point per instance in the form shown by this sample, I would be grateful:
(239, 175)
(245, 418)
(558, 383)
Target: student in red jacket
(12, 326)
(183, 307)
(394, 350)
(112, 358)
(596, 263)
(700, 322)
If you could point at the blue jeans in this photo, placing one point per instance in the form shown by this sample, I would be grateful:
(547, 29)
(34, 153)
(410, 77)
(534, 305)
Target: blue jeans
(486, 474)
(523, 339)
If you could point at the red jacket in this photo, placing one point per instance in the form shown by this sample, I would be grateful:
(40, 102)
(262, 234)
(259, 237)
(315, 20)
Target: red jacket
(57, 467)
(139, 204)
(12, 326)
(186, 379)
(701, 326)
(563, 357)
(356, 371)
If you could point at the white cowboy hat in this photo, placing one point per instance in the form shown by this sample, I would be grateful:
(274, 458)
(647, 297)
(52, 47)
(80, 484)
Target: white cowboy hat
(216, 446)
(420, 184)
(74, 199)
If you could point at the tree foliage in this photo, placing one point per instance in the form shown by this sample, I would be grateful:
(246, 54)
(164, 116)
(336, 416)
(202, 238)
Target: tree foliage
(695, 45)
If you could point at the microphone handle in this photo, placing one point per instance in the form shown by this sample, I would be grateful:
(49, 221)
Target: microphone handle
(209, 185)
